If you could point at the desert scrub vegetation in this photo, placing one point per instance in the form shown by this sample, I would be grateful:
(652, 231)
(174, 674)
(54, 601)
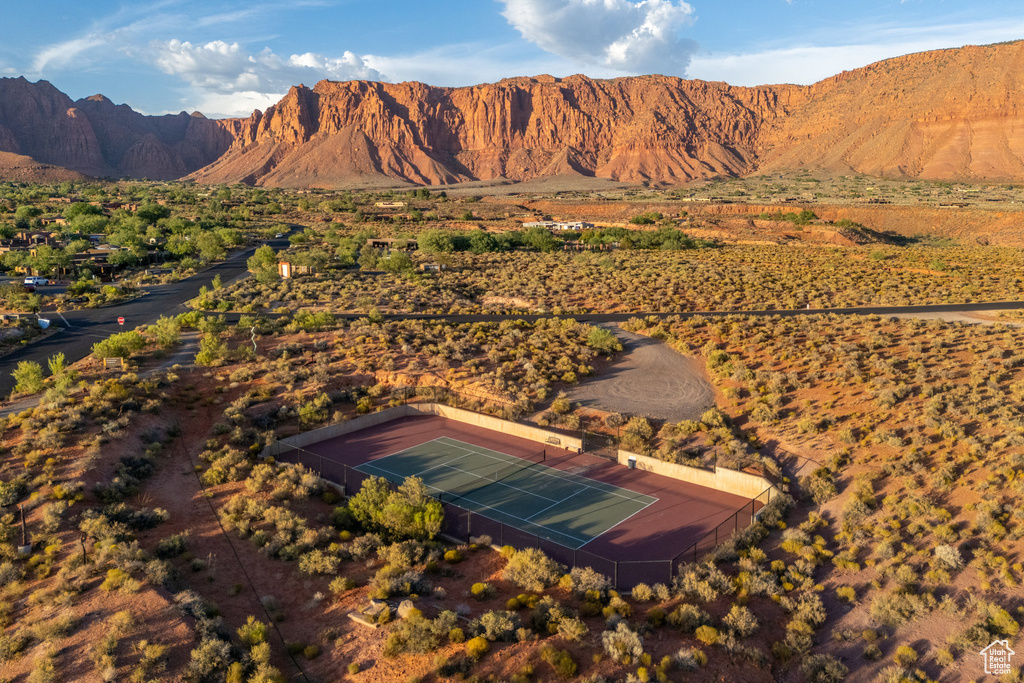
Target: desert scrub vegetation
(361, 366)
(901, 416)
(631, 280)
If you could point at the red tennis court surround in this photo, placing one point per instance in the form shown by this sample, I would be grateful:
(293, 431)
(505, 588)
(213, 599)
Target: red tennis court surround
(643, 548)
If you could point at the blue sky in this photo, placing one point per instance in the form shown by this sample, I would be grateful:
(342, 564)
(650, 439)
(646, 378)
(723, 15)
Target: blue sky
(226, 57)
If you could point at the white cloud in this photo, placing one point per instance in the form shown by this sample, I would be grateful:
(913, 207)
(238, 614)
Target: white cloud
(64, 54)
(228, 80)
(634, 37)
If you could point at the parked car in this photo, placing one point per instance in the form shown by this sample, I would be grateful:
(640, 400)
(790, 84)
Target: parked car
(36, 280)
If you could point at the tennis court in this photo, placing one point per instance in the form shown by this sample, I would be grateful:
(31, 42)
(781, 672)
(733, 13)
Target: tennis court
(520, 492)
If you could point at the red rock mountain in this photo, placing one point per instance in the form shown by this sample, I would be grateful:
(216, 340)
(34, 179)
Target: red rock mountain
(942, 114)
(96, 137)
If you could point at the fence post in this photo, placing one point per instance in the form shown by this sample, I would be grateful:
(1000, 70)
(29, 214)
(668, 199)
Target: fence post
(616, 574)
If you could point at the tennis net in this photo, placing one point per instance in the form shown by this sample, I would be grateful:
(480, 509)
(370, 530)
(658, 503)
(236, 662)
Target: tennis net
(494, 476)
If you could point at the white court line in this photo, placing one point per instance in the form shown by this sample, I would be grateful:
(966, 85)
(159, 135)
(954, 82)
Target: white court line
(579, 481)
(491, 482)
(621, 521)
(553, 505)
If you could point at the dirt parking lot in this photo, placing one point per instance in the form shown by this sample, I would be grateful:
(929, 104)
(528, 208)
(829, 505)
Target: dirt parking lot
(651, 380)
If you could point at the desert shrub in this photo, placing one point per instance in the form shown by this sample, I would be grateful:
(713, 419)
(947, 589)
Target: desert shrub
(477, 647)
(905, 656)
(496, 625)
(820, 485)
(12, 645)
(688, 617)
(253, 631)
(341, 584)
(318, 561)
(690, 659)
(560, 660)
(481, 591)
(13, 490)
(572, 629)
(172, 546)
(642, 592)
(706, 634)
(847, 594)
(532, 570)
(453, 556)
(208, 659)
(582, 580)
(419, 635)
(622, 644)
(948, 557)
(390, 581)
(741, 620)
(58, 627)
(823, 669)
(896, 608)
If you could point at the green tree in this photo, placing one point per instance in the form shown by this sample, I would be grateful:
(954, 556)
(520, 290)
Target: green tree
(77, 209)
(27, 212)
(602, 340)
(120, 345)
(28, 377)
(212, 350)
(152, 212)
(166, 331)
(408, 512)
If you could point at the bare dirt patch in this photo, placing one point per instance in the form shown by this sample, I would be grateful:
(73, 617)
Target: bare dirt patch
(651, 380)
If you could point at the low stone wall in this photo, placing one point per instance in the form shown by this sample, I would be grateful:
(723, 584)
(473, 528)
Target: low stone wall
(496, 424)
(356, 424)
(720, 479)
(339, 429)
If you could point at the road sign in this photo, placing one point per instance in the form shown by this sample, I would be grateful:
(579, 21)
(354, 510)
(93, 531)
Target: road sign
(120, 320)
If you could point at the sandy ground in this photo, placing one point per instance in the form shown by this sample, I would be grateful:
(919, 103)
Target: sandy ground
(651, 380)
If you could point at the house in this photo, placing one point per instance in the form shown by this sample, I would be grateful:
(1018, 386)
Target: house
(390, 205)
(53, 220)
(433, 267)
(560, 226)
(287, 269)
(390, 243)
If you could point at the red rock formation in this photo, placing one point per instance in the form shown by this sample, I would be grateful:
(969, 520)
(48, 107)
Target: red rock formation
(631, 129)
(942, 114)
(96, 137)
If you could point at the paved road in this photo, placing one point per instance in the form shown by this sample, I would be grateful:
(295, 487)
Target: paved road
(79, 330)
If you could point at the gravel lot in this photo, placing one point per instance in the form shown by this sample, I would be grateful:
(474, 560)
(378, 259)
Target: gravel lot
(651, 380)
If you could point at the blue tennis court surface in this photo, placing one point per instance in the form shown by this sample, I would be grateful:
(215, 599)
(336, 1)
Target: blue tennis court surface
(524, 493)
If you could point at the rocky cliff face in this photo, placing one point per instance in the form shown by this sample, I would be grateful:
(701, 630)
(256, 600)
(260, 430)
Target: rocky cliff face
(942, 114)
(96, 137)
(631, 129)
